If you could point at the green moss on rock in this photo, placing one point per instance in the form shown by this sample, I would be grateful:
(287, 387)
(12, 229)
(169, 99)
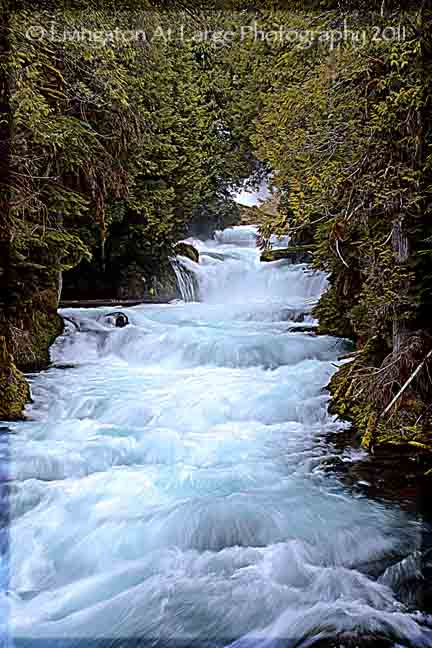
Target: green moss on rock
(14, 390)
(36, 326)
(295, 254)
(187, 250)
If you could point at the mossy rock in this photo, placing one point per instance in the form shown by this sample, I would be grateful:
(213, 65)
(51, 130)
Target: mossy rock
(187, 250)
(14, 390)
(295, 254)
(31, 343)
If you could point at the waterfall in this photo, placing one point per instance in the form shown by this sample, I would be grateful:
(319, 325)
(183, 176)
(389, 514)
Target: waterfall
(185, 279)
(230, 272)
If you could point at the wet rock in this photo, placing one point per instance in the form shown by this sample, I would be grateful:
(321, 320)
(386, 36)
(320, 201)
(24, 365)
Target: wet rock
(312, 330)
(406, 579)
(187, 250)
(66, 365)
(72, 322)
(117, 319)
(350, 640)
(293, 315)
(426, 567)
(294, 254)
(332, 463)
(120, 320)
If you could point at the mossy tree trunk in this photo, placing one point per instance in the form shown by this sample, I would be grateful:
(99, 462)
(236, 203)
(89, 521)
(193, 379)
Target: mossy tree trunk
(14, 391)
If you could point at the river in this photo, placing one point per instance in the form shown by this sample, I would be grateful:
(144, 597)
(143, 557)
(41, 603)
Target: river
(170, 482)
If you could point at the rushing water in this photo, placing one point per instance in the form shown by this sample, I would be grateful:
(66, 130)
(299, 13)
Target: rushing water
(170, 483)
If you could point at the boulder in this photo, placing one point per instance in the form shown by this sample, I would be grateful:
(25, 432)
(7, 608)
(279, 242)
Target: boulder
(295, 254)
(117, 319)
(311, 330)
(187, 250)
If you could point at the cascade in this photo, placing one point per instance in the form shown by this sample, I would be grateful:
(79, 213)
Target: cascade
(170, 482)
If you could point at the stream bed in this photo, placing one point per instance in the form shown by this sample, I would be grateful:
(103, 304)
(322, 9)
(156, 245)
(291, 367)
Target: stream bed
(171, 483)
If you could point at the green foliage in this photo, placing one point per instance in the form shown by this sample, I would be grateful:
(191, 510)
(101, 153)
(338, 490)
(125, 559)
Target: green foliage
(347, 132)
(120, 144)
(119, 148)
(342, 130)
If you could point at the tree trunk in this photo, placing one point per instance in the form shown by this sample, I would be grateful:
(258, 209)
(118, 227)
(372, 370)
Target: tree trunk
(400, 246)
(5, 140)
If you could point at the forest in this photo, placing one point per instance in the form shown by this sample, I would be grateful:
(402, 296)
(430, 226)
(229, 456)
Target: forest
(114, 150)
(215, 330)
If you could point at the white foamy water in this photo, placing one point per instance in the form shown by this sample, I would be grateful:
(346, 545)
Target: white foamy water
(169, 486)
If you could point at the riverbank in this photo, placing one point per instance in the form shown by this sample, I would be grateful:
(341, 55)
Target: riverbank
(394, 478)
(389, 474)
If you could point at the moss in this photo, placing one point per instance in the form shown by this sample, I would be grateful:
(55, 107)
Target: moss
(14, 390)
(31, 333)
(408, 426)
(406, 429)
(296, 254)
(31, 343)
(187, 250)
(34, 325)
(349, 397)
(369, 432)
(333, 319)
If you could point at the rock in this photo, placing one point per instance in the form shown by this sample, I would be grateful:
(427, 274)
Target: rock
(117, 319)
(70, 320)
(187, 250)
(14, 390)
(293, 314)
(35, 325)
(333, 463)
(311, 330)
(165, 285)
(294, 254)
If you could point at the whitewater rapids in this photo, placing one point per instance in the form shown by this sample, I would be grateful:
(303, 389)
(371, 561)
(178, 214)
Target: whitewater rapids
(169, 483)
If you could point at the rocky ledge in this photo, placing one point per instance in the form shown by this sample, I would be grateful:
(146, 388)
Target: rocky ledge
(187, 250)
(294, 254)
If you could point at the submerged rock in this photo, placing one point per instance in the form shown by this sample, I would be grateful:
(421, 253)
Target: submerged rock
(187, 250)
(406, 578)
